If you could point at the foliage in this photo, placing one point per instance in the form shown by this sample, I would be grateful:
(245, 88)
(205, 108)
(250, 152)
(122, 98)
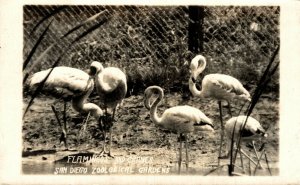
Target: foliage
(149, 43)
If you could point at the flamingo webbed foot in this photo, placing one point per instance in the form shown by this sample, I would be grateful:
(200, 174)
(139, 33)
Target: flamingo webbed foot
(63, 139)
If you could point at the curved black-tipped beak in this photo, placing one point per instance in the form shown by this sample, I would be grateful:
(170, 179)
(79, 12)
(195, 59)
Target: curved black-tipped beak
(146, 103)
(202, 123)
(203, 126)
(193, 80)
(92, 71)
(100, 122)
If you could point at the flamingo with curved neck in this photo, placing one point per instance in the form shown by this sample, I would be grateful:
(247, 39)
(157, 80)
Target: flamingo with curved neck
(216, 86)
(179, 119)
(69, 84)
(111, 85)
(246, 129)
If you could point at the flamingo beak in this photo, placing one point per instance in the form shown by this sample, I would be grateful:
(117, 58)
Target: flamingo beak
(146, 103)
(100, 122)
(92, 71)
(193, 79)
(193, 75)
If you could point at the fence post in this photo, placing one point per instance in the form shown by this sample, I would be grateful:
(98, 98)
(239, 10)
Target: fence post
(195, 30)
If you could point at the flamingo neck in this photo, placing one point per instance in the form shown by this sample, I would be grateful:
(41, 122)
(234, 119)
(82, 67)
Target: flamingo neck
(193, 88)
(94, 109)
(80, 105)
(153, 109)
(198, 64)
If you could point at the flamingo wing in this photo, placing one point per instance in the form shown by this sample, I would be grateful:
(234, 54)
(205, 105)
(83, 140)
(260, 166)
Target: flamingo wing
(110, 78)
(184, 118)
(177, 121)
(252, 127)
(229, 85)
(63, 81)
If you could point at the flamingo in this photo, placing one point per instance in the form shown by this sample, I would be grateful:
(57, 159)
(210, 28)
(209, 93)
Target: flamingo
(179, 119)
(216, 86)
(69, 84)
(252, 131)
(111, 85)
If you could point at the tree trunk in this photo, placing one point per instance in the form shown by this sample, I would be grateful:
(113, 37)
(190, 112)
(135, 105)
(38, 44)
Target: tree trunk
(196, 18)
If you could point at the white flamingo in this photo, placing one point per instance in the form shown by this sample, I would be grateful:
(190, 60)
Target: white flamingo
(252, 130)
(111, 85)
(69, 84)
(216, 86)
(180, 119)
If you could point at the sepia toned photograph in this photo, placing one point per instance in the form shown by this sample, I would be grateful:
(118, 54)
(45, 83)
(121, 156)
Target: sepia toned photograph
(150, 90)
(153, 92)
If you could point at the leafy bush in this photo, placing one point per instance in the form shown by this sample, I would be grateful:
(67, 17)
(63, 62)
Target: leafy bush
(149, 43)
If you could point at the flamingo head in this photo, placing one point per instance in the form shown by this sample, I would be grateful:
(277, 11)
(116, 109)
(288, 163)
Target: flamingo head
(195, 67)
(261, 132)
(205, 128)
(147, 103)
(245, 96)
(95, 67)
(152, 91)
(205, 124)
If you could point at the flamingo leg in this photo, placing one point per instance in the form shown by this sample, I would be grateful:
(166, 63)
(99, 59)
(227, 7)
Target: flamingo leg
(260, 166)
(245, 154)
(259, 163)
(110, 142)
(242, 163)
(186, 152)
(110, 133)
(86, 120)
(250, 172)
(267, 161)
(62, 137)
(84, 124)
(222, 131)
(227, 149)
(180, 153)
(103, 127)
(103, 147)
(64, 128)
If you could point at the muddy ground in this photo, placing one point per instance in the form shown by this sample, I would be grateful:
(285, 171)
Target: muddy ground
(139, 147)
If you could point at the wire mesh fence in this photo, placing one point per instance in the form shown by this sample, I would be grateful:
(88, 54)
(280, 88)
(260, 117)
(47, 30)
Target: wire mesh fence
(241, 37)
(150, 43)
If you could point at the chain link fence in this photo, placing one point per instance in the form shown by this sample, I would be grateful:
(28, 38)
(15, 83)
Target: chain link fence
(150, 43)
(242, 38)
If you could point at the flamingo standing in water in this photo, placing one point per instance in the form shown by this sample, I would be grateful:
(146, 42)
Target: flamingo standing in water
(68, 84)
(180, 119)
(216, 86)
(111, 85)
